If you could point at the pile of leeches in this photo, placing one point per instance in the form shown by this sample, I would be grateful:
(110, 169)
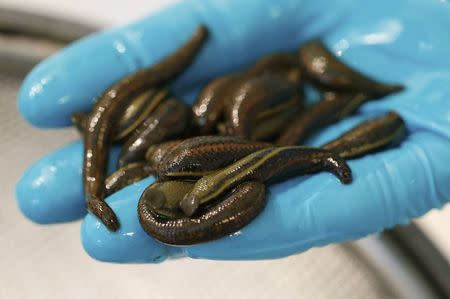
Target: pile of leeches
(214, 161)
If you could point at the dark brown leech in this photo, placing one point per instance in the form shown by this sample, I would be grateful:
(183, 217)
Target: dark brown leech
(329, 110)
(254, 96)
(170, 120)
(266, 165)
(235, 211)
(368, 136)
(103, 120)
(164, 197)
(269, 126)
(155, 153)
(127, 175)
(198, 156)
(208, 109)
(323, 69)
(136, 112)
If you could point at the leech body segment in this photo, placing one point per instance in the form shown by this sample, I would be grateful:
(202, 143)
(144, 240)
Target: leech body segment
(265, 165)
(103, 120)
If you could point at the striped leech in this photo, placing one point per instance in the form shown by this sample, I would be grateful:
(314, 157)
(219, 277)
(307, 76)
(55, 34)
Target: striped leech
(169, 121)
(102, 122)
(161, 218)
(332, 108)
(199, 156)
(322, 68)
(136, 112)
(156, 153)
(127, 175)
(210, 104)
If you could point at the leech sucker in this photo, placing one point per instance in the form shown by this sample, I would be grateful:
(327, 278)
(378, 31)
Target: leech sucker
(103, 120)
(322, 68)
(269, 164)
(170, 120)
(198, 156)
(368, 136)
(236, 210)
(156, 153)
(332, 108)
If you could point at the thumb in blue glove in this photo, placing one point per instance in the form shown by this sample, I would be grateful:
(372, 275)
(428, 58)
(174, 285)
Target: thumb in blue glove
(395, 42)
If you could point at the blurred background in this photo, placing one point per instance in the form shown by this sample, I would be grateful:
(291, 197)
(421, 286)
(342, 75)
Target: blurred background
(49, 262)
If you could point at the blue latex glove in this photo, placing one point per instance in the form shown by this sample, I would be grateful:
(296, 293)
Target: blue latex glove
(395, 41)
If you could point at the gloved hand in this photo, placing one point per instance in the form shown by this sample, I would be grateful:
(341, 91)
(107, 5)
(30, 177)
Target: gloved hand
(394, 41)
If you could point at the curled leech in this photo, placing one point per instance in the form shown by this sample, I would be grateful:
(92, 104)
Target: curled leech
(168, 121)
(235, 210)
(254, 96)
(102, 121)
(269, 164)
(325, 70)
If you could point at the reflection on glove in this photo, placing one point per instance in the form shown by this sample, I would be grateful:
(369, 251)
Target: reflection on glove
(394, 42)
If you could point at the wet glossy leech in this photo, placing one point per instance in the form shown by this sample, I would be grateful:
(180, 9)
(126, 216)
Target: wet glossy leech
(209, 107)
(198, 156)
(136, 112)
(266, 165)
(127, 175)
(102, 122)
(368, 136)
(332, 108)
(237, 208)
(322, 68)
(170, 120)
(254, 96)
(156, 153)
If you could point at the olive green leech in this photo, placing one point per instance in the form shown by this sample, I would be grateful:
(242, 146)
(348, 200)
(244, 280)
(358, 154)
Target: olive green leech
(136, 112)
(103, 120)
(198, 156)
(269, 164)
(368, 136)
(322, 68)
(169, 121)
(234, 211)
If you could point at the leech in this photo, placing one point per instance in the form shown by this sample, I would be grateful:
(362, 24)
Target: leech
(234, 211)
(329, 110)
(265, 165)
(103, 120)
(209, 107)
(267, 127)
(198, 156)
(127, 175)
(254, 96)
(155, 153)
(136, 112)
(170, 120)
(368, 136)
(323, 69)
